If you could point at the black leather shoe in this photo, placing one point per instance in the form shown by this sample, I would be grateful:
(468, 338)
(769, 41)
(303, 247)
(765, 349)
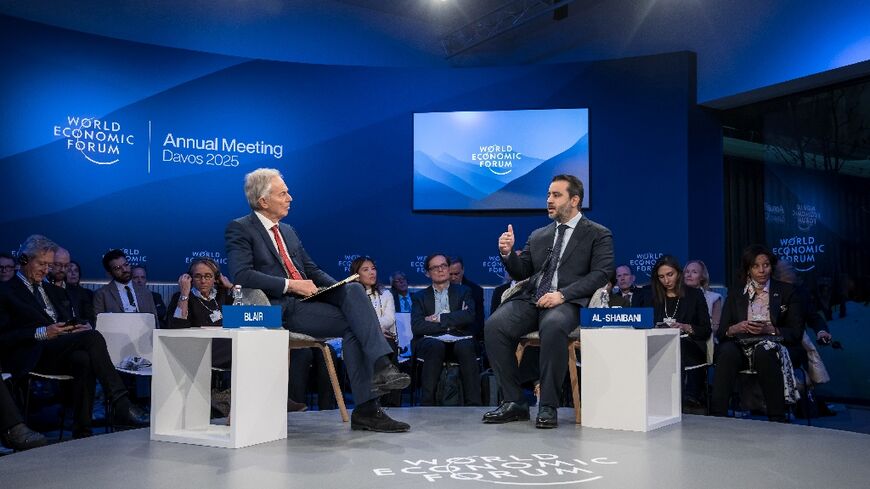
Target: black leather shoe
(376, 421)
(294, 406)
(390, 378)
(547, 417)
(506, 412)
(20, 437)
(128, 414)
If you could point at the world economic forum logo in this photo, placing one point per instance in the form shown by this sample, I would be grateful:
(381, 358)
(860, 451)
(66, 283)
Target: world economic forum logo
(536, 469)
(499, 159)
(99, 141)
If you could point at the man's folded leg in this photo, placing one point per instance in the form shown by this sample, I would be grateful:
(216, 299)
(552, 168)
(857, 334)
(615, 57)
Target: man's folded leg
(370, 416)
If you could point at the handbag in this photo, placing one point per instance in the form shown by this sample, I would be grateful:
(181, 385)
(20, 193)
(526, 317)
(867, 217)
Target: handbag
(815, 366)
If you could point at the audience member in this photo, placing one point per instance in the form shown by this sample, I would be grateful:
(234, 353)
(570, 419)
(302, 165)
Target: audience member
(7, 266)
(457, 276)
(57, 271)
(606, 297)
(677, 306)
(695, 275)
(82, 299)
(399, 289)
(564, 269)
(382, 301)
(265, 254)
(14, 433)
(442, 309)
(36, 333)
(759, 318)
(140, 278)
(121, 295)
(626, 289)
(199, 302)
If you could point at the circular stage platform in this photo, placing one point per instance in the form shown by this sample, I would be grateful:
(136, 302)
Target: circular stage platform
(450, 448)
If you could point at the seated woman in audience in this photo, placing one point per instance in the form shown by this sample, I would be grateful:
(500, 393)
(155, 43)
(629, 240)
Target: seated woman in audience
(761, 331)
(204, 292)
(82, 299)
(385, 308)
(695, 275)
(684, 308)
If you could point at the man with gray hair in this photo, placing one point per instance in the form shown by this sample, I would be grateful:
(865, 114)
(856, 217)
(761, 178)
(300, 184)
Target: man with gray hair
(38, 333)
(265, 254)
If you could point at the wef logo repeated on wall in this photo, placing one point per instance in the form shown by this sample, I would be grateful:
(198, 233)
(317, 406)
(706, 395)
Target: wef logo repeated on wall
(801, 249)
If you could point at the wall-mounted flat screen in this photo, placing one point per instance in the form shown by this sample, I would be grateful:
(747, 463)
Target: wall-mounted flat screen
(496, 160)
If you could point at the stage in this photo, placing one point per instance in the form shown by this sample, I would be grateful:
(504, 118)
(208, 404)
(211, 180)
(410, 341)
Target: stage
(449, 447)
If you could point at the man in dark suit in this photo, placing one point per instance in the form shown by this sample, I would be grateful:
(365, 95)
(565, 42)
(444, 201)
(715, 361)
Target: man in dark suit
(13, 432)
(628, 292)
(121, 294)
(399, 289)
(35, 336)
(82, 304)
(140, 278)
(567, 262)
(457, 276)
(445, 308)
(265, 254)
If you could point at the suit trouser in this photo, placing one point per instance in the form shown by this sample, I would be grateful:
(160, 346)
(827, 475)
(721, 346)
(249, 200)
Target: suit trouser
(433, 352)
(344, 312)
(519, 317)
(84, 356)
(730, 360)
(9, 415)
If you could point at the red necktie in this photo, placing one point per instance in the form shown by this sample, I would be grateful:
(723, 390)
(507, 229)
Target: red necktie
(291, 269)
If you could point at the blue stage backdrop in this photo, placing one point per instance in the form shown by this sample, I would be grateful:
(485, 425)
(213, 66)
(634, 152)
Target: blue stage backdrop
(109, 143)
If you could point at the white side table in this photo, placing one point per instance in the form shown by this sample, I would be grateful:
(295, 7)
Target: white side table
(181, 387)
(631, 378)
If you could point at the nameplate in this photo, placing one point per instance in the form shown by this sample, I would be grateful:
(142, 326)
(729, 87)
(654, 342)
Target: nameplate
(252, 316)
(617, 317)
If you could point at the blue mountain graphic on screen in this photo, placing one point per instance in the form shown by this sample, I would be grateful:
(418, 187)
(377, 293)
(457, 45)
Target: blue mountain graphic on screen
(447, 183)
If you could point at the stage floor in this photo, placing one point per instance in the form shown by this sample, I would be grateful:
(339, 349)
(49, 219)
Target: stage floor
(449, 447)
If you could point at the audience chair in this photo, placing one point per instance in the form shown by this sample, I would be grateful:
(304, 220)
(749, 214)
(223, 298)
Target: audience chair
(52, 377)
(299, 341)
(706, 366)
(533, 339)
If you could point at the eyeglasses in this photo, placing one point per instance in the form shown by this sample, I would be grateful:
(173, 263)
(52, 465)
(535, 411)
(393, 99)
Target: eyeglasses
(203, 276)
(442, 266)
(7, 267)
(60, 266)
(121, 266)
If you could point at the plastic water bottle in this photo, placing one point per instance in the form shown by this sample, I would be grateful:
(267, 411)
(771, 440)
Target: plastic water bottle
(237, 295)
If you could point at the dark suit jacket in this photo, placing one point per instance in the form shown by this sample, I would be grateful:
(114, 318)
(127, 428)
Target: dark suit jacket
(254, 262)
(785, 314)
(20, 315)
(477, 296)
(692, 310)
(459, 321)
(585, 265)
(82, 300)
(108, 299)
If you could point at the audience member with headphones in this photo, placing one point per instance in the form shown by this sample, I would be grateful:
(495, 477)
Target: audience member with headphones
(39, 333)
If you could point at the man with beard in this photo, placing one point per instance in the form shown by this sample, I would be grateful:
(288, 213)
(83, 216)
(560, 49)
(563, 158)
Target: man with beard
(121, 294)
(565, 262)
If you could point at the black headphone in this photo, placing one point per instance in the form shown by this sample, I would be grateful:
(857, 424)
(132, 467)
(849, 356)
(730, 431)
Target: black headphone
(21, 256)
(209, 263)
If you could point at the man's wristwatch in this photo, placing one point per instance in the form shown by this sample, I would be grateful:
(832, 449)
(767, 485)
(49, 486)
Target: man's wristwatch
(182, 298)
(562, 295)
